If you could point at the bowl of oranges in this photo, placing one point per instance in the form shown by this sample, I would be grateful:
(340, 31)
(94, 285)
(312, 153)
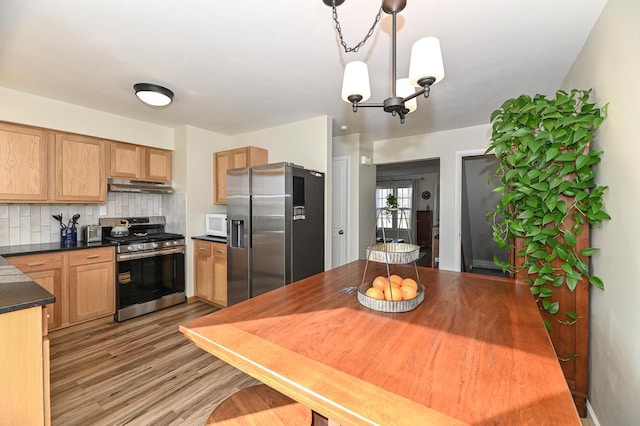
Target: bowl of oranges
(391, 294)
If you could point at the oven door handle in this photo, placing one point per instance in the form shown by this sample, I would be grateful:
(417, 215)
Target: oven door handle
(154, 253)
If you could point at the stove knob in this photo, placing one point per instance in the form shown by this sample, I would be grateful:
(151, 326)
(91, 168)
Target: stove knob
(167, 243)
(154, 245)
(175, 243)
(140, 247)
(131, 248)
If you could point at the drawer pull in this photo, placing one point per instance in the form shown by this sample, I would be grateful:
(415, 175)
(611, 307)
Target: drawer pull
(219, 251)
(201, 249)
(35, 264)
(95, 256)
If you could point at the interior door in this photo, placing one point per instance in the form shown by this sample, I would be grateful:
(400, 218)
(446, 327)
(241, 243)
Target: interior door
(339, 194)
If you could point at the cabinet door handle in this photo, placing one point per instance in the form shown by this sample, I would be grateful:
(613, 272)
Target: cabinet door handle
(35, 264)
(201, 248)
(95, 256)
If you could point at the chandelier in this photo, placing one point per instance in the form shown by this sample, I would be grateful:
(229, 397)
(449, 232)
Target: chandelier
(425, 68)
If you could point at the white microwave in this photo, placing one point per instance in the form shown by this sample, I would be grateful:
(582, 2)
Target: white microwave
(216, 224)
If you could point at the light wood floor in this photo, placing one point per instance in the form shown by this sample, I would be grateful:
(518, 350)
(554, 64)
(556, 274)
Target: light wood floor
(139, 372)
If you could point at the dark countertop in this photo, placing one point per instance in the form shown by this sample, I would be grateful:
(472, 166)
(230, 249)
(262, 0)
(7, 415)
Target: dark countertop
(222, 240)
(7, 251)
(17, 291)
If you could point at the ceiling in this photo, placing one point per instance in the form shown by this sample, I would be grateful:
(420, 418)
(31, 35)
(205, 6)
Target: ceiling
(242, 65)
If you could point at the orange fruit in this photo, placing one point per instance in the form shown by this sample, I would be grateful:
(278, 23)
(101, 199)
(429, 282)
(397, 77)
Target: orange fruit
(409, 282)
(396, 279)
(408, 292)
(380, 282)
(375, 293)
(392, 292)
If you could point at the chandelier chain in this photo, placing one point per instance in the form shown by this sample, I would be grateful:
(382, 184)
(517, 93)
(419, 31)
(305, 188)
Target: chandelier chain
(366, 37)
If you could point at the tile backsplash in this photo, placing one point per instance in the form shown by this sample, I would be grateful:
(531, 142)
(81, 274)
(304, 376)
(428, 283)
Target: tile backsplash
(33, 224)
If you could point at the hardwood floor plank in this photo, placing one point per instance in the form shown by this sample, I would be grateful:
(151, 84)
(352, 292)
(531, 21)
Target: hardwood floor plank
(139, 372)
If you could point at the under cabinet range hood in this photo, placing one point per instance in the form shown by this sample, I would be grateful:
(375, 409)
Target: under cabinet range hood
(126, 185)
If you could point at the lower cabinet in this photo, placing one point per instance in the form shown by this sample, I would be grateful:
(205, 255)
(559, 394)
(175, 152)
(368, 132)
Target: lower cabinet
(24, 370)
(91, 284)
(83, 282)
(210, 265)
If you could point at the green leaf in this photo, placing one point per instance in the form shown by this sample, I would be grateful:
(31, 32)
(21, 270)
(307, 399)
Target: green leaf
(569, 238)
(551, 153)
(571, 283)
(589, 251)
(597, 282)
(572, 315)
(582, 161)
(562, 206)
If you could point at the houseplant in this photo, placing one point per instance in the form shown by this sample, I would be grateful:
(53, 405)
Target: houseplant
(549, 194)
(549, 200)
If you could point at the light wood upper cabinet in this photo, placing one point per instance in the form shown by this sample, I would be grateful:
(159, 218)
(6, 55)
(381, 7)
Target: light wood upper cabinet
(157, 164)
(232, 159)
(125, 160)
(130, 161)
(23, 163)
(80, 169)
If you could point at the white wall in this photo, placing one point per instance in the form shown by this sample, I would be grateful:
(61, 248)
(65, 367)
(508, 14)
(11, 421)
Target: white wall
(33, 110)
(448, 147)
(306, 143)
(193, 176)
(610, 64)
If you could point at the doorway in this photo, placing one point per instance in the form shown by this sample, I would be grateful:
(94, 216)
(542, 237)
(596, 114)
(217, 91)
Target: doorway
(477, 248)
(416, 185)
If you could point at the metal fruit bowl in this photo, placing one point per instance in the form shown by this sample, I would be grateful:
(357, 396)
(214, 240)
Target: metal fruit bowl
(391, 305)
(398, 253)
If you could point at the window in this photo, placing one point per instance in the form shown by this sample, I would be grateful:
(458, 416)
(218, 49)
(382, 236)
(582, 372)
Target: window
(404, 193)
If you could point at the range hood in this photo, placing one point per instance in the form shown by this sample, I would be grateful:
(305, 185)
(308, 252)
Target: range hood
(126, 185)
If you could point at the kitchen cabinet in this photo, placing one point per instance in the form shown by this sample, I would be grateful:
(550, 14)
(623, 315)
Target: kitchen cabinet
(47, 270)
(131, 161)
(23, 163)
(232, 159)
(424, 224)
(83, 282)
(24, 370)
(210, 265)
(91, 284)
(80, 169)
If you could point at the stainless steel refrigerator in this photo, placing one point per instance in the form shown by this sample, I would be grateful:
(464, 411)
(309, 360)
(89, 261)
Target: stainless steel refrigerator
(275, 221)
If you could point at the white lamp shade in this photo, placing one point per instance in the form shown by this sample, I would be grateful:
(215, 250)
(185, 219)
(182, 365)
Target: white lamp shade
(152, 94)
(426, 60)
(404, 89)
(154, 98)
(356, 81)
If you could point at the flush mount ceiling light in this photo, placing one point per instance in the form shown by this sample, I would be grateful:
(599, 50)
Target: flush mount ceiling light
(425, 68)
(152, 94)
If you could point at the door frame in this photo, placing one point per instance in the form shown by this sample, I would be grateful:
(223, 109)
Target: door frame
(457, 208)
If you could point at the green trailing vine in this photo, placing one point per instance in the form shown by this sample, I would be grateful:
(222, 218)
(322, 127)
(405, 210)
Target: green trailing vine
(546, 177)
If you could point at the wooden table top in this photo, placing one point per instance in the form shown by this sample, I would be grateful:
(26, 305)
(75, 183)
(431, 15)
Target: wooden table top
(474, 351)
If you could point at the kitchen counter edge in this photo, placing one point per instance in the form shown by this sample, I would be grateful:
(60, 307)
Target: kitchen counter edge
(18, 291)
(7, 251)
(211, 239)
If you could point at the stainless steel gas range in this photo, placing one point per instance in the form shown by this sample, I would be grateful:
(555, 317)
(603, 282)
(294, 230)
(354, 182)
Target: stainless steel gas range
(150, 271)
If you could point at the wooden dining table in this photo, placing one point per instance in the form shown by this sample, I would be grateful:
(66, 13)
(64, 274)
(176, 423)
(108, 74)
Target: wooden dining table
(475, 351)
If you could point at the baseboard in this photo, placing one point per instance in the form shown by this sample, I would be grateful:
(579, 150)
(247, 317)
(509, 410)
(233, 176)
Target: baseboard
(591, 415)
(485, 264)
